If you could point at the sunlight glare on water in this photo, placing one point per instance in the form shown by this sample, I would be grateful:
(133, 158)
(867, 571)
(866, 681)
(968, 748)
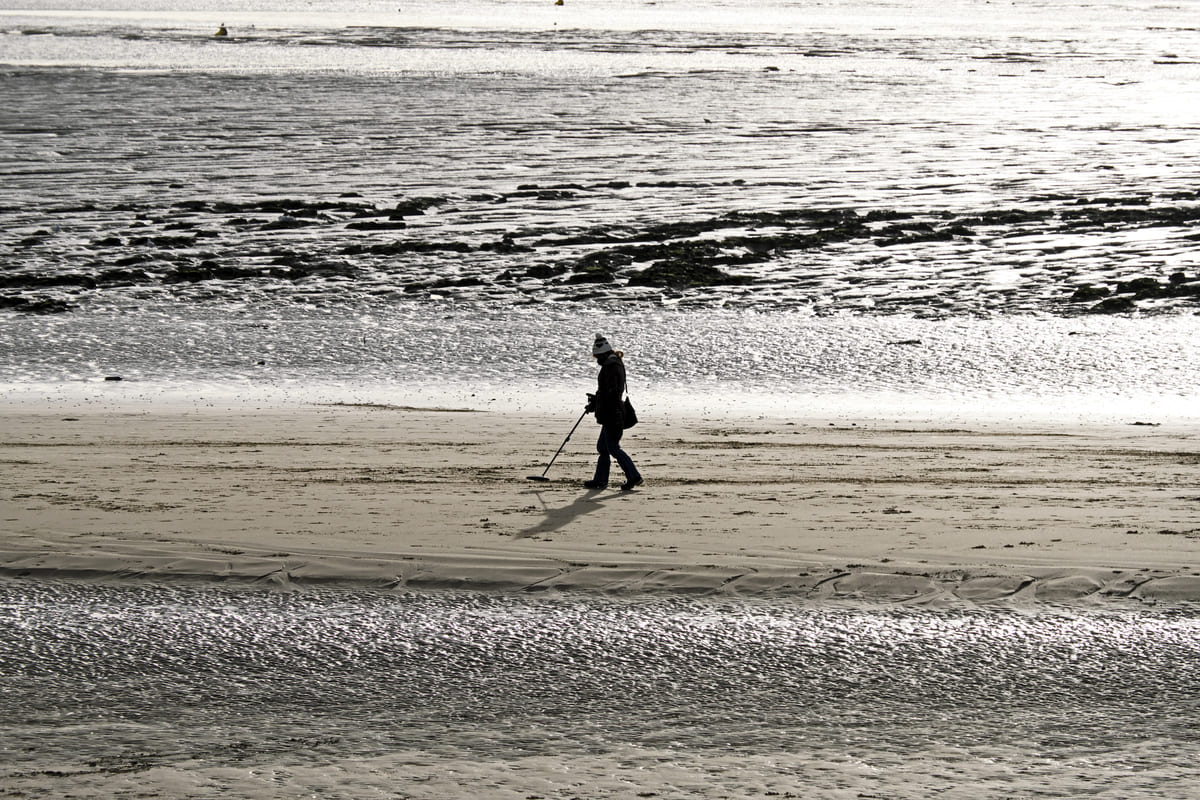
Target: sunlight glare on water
(174, 673)
(912, 206)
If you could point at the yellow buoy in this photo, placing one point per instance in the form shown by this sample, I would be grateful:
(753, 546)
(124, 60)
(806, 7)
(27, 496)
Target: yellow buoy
(221, 31)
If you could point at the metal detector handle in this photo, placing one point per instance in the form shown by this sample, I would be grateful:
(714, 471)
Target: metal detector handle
(569, 435)
(564, 444)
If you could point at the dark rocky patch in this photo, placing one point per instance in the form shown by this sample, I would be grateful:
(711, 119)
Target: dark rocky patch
(506, 246)
(415, 207)
(162, 242)
(34, 239)
(591, 276)
(34, 305)
(1142, 287)
(599, 235)
(546, 194)
(1008, 217)
(684, 275)
(1126, 294)
(820, 217)
(1119, 214)
(1090, 294)
(208, 271)
(533, 187)
(136, 258)
(390, 225)
(162, 247)
(410, 246)
(600, 266)
(123, 277)
(289, 222)
(1114, 305)
(912, 233)
(293, 207)
(295, 267)
(544, 271)
(27, 280)
(325, 269)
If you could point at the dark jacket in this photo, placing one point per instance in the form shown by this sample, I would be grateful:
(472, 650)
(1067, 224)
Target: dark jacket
(610, 386)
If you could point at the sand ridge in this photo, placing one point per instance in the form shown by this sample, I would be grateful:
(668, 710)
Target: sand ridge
(408, 498)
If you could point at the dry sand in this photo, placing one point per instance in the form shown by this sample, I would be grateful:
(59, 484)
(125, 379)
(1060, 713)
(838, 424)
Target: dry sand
(422, 498)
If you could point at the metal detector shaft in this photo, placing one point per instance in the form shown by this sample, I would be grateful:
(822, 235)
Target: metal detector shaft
(543, 477)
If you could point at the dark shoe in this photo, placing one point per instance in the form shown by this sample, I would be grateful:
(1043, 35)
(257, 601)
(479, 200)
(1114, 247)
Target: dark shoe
(595, 485)
(628, 486)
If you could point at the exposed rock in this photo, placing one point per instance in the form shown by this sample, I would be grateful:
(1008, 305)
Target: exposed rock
(208, 271)
(1114, 305)
(912, 233)
(592, 276)
(506, 245)
(34, 239)
(35, 305)
(415, 207)
(683, 275)
(544, 271)
(545, 194)
(289, 222)
(162, 242)
(136, 258)
(401, 246)
(323, 269)
(1090, 294)
(1146, 287)
(123, 277)
(1008, 217)
(292, 207)
(390, 225)
(26, 280)
(600, 266)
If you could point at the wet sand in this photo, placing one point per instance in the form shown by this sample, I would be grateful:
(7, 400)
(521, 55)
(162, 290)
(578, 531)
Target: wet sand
(402, 498)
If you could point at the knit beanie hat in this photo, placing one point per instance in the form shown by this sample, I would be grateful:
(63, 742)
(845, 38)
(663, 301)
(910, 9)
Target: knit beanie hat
(601, 346)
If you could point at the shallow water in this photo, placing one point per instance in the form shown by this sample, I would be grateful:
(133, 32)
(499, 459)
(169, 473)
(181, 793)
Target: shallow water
(709, 361)
(202, 678)
(453, 199)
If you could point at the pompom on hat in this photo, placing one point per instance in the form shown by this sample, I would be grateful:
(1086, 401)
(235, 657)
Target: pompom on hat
(601, 346)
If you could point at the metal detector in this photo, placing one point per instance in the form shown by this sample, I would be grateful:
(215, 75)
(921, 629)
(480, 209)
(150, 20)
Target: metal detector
(543, 477)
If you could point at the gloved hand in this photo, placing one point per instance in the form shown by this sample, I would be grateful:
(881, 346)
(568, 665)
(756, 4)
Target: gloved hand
(591, 403)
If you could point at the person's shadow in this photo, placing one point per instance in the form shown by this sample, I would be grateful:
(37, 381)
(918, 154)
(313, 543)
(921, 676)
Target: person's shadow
(558, 518)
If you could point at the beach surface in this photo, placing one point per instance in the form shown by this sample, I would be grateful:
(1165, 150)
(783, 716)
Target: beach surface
(400, 498)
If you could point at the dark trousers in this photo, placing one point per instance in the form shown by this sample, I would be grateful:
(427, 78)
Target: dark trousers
(609, 447)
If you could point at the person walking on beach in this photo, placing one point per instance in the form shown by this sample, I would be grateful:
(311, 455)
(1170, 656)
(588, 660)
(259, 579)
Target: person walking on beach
(606, 403)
